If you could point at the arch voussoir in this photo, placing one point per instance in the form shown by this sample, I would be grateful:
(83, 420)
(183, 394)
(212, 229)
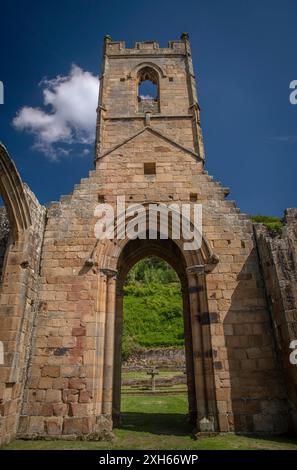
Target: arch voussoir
(13, 193)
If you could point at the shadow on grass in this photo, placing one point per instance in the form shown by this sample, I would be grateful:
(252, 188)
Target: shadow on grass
(156, 423)
(277, 438)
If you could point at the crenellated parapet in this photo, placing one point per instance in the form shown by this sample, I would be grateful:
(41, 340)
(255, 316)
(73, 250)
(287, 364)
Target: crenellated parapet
(144, 48)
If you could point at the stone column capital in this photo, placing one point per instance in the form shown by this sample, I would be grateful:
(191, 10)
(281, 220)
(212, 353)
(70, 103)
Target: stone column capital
(197, 269)
(109, 273)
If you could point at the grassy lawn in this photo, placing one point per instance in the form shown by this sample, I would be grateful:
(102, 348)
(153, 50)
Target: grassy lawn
(158, 422)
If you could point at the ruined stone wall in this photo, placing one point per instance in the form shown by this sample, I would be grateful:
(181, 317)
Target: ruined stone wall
(18, 292)
(59, 386)
(59, 398)
(278, 257)
(64, 382)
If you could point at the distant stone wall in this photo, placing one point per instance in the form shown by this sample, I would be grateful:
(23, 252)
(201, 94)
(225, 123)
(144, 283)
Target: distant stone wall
(278, 256)
(169, 358)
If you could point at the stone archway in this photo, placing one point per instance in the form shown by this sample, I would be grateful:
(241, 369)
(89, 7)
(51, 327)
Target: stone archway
(13, 193)
(115, 258)
(16, 216)
(134, 251)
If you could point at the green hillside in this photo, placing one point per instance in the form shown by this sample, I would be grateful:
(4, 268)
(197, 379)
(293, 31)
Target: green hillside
(153, 314)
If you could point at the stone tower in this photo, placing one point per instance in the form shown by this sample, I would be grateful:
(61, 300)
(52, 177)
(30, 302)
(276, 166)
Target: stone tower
(174, 113)
(150, 151)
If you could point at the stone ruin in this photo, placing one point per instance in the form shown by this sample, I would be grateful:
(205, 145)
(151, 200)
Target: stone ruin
(61, 306)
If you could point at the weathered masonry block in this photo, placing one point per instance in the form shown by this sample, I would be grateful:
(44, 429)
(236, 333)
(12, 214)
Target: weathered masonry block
(61, 306)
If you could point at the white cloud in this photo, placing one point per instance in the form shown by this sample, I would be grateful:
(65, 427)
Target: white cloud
(70, 117)
(146, 97)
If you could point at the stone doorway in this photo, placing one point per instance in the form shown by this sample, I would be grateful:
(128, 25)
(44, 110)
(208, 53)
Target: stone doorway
(131, 255)
(191, 269)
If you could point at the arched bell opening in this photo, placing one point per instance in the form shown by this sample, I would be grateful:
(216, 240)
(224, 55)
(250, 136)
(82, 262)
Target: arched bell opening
(148, 90)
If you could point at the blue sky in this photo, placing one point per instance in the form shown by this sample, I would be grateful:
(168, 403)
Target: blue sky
(244, 55)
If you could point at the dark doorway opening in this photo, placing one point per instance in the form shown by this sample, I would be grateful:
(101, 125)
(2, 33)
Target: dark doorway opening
(153, 366)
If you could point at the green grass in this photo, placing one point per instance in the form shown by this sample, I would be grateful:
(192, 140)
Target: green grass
(153, 311)
(150, 422)
(274, 224)
(153, 315)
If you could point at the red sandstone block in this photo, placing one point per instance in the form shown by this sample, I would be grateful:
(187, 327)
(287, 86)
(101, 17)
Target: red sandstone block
(71, 371)
(84, 396)
(53, 396)
(84, 305)
(45, 382)
(54, 342)
(70, 396)
(60, 409)
(54, 426)
(4, 374)
(61, 296)
(74, 296)
(40, 395)
(77, 426)
(80, 287)
(78, 384)
(51, 371)
(33, 382)
(88, 357)
(36, 425)
(79, 331)
(60, 383)
(46, 409)
(65, 306)
(78, 409)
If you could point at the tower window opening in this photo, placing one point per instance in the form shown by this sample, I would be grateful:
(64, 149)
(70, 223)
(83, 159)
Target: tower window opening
(148, 90)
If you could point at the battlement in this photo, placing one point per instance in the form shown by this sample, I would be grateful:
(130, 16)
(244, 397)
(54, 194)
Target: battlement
(114, 48)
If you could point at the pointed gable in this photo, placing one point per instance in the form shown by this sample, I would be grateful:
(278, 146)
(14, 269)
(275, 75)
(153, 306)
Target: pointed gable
(153, 132)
